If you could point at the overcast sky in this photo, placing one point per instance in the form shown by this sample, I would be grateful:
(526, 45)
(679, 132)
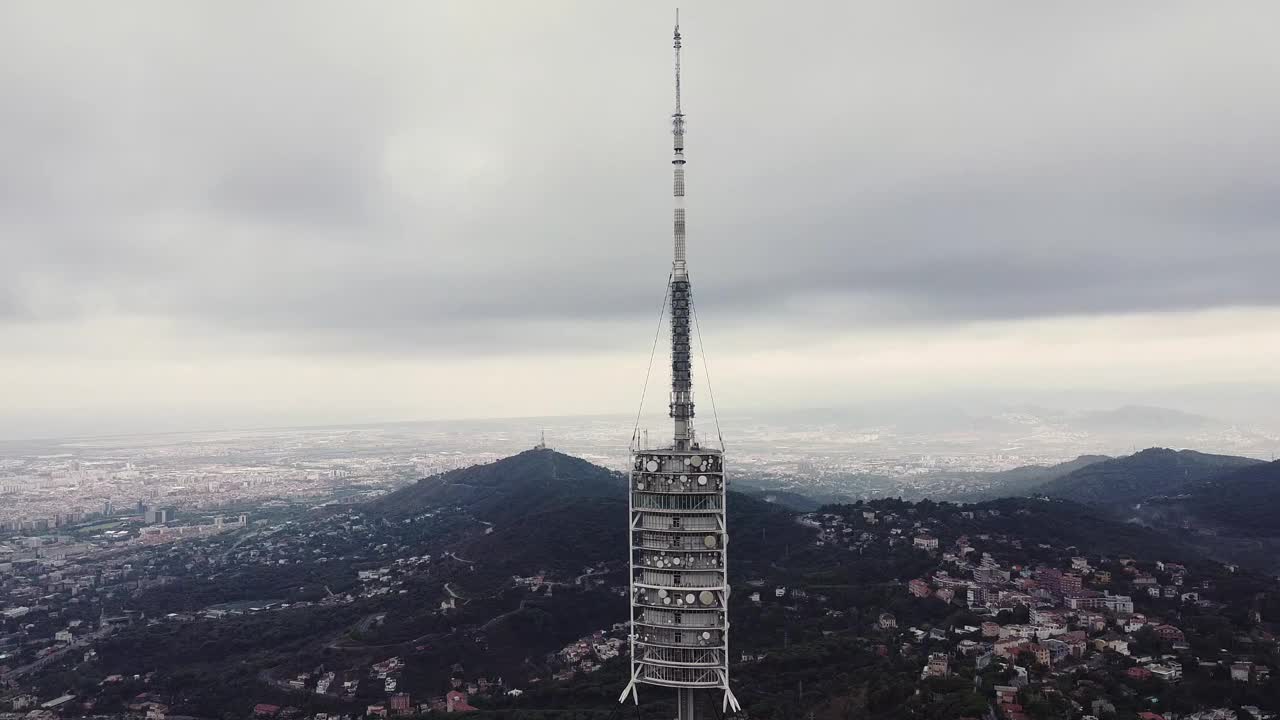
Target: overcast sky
(236, 213)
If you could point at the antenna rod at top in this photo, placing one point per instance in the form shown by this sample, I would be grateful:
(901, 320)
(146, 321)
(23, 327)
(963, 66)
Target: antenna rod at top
(677, 131)
(677, 47)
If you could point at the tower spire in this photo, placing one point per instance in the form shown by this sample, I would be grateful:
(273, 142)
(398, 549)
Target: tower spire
(677, 132)
(677, 47)
(681, 376)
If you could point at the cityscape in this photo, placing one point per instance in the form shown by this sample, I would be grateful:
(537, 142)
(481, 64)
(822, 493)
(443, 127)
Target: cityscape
(50, 483)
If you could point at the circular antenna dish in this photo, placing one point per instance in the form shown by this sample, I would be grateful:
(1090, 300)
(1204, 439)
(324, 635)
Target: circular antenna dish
(709, 541)
(662, 593)
(706, 597)
(706, 635)
(651, 466)
(689, 598)
(676, 561)
(666, 601)
(702, 479)
(695, 460)
(684, 478)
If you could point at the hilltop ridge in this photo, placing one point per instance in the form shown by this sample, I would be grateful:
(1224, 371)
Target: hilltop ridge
(520, 485)
(1132, 479)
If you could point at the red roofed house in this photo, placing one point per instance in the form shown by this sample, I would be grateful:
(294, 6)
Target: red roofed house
(457, 702)
(1138, 673)
(1013, 712)
(1170, 634)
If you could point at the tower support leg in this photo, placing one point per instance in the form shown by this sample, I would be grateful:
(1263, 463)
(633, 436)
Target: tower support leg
(685, 703)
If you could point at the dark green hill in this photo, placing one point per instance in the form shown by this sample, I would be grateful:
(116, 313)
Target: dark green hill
(1132, 479)
(567, 535)
(1246, 500)
(561, 536)
(550, 511)
(519, 486)
(1062, 523)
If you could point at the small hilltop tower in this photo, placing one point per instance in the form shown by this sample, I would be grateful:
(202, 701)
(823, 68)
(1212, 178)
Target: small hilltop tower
(679, 539)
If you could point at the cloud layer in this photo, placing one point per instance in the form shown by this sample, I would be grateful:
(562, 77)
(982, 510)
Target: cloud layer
(450, 183)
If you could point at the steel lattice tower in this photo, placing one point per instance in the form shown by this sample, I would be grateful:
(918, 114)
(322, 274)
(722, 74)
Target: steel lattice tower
(679, 538)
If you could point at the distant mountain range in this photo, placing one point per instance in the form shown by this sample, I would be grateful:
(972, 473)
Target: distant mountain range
(1022, 480)
(1143, 418)
(1129, 480)
(1227, 507)
(544, 510)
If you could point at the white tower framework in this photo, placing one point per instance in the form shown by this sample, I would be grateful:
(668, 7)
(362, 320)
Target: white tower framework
(679, 538)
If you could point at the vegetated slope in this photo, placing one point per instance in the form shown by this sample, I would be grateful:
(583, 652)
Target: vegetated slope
(1020, 480)
(571, 534)
(553, 512)
(1063, 523)
(760, 533)
(1246, 500)
(530, 482)
(561, 536)
(1132, 479)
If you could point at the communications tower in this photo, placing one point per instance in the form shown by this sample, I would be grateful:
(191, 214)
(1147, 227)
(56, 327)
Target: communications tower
(679, 539)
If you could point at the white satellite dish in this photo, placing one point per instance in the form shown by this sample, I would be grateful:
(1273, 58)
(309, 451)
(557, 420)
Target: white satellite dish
(706, 597)
(706, 635)
(702, 479)
(666, 601)
(652, 466)
(690, 598)
(662, 593)
(676, 561)
(696, 460)
(709, 541)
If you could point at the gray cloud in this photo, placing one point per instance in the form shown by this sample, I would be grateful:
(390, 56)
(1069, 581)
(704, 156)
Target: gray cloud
(453, 179)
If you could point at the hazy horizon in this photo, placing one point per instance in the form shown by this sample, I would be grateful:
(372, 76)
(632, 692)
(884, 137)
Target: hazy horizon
(1124, 424)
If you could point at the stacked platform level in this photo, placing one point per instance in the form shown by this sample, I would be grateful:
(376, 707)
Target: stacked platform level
(679, 585)
(678, 534)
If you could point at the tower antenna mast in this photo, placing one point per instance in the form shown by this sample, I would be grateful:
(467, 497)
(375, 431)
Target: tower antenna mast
(681, 367)
(679, 535)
